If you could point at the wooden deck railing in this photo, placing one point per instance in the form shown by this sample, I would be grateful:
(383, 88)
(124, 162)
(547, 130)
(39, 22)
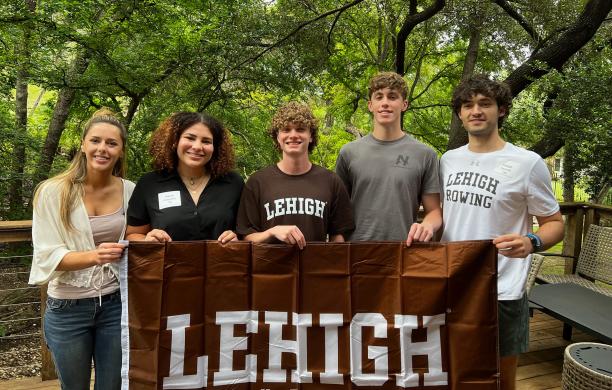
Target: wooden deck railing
(578, 216)
(21, 231)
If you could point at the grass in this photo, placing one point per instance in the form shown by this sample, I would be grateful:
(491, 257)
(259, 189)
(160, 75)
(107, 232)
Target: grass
(553, 264)
(580, 195)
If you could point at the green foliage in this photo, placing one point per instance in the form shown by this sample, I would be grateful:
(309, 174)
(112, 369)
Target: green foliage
(582, 112)
(239, 60)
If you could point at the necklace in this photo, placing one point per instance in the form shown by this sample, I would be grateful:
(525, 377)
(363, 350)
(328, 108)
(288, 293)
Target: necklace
(194, 185)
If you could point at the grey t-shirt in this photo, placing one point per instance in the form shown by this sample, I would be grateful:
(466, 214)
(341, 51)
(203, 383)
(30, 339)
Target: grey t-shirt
(386, 181)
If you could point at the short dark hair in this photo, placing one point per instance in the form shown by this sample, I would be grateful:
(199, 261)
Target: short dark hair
(481, 84)
(164, 142)
(300, 115)
(389, 80)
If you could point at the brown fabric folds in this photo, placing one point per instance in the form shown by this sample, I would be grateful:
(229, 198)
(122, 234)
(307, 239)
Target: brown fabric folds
(369, 316)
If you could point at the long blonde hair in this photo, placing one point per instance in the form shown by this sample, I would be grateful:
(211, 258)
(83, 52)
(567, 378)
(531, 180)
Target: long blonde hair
(70, 181)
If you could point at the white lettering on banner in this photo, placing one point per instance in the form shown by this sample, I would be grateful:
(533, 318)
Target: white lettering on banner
(177, 378)
(331, 323)
(298, 347)
(295, 205)
(432, 348)
(377, 353)
(227, 375)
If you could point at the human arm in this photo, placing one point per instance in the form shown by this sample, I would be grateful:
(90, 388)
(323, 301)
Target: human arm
(342, 171)
(432, 221)
(106, 252)
(233, 192)
(341, 221)
(57, 248)
(139, 215)
(145, 233)
(227, 236)
(289, 234)
(336, 238)
(519, 246)
(541, 202)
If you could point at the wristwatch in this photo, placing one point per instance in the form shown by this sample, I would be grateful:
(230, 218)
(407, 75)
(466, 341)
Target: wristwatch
(536, 242)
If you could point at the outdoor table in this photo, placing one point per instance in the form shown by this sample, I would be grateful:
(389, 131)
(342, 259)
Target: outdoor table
(587, 366)
(577, 306)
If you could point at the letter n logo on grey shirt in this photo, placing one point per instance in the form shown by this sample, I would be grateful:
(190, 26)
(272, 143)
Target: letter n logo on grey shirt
(402, 161)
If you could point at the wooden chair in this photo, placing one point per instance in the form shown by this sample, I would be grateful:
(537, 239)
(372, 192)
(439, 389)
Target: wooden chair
(594, 263)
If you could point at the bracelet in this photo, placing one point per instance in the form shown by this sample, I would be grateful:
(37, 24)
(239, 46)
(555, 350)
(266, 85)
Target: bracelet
(536, 241)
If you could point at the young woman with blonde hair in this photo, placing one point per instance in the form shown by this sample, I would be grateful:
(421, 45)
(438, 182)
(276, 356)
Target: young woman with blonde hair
(79, 215)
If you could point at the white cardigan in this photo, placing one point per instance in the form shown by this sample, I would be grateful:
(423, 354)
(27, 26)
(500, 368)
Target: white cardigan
(52, 241)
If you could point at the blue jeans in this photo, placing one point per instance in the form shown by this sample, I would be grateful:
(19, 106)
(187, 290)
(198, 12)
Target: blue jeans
(77, 330)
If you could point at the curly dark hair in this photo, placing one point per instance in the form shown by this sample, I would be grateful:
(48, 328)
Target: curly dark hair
(165, 140)
(481, 84)
(300, 115)
(389, 80)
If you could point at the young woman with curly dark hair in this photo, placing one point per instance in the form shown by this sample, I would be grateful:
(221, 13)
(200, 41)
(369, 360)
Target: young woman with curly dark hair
(192, 194)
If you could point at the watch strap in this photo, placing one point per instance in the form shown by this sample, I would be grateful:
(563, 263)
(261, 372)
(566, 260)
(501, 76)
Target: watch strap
(536, 241)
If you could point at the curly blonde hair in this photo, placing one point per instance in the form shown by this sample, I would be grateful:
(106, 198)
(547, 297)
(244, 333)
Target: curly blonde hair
(165, 140)
(298, 114)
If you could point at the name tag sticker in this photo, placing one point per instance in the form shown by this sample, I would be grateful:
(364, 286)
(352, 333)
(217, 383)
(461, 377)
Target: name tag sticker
(169, 199)
(508, 168)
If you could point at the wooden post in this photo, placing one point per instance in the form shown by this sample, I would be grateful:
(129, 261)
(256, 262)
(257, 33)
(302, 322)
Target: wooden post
(47, 370)
(572, 242)
(589, 219)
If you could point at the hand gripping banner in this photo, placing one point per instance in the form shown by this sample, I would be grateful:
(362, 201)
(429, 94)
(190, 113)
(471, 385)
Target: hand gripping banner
(331, 316)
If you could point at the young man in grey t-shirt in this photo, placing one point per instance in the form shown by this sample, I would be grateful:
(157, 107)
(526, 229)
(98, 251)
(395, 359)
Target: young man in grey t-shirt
(389, 174)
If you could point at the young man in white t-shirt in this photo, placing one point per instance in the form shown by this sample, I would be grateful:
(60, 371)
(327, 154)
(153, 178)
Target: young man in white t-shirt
(490, 190)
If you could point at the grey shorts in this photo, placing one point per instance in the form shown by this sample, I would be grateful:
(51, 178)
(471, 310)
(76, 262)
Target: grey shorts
(513, 326)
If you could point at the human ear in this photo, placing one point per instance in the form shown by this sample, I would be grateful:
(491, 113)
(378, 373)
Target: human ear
(370, 106)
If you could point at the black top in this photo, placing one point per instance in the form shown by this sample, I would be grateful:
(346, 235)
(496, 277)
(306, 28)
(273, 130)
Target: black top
(161, 200)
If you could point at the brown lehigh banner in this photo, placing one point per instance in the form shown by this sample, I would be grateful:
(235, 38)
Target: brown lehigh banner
(331, 316)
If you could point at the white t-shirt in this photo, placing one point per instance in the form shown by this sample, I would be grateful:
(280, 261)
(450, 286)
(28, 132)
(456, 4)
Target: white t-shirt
(486, 195)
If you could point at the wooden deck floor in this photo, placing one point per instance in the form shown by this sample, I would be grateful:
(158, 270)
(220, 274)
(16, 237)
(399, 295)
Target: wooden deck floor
(539, 369)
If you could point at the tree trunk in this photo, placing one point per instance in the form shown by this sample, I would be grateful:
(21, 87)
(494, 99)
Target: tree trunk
(550, 144)
(553, 139)
(60, 114)
(457, 136)
(353, 130)
(132, 108)
(568, 173)
(15, 191)
(412, 20)
(601, 195)
(559, 51)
